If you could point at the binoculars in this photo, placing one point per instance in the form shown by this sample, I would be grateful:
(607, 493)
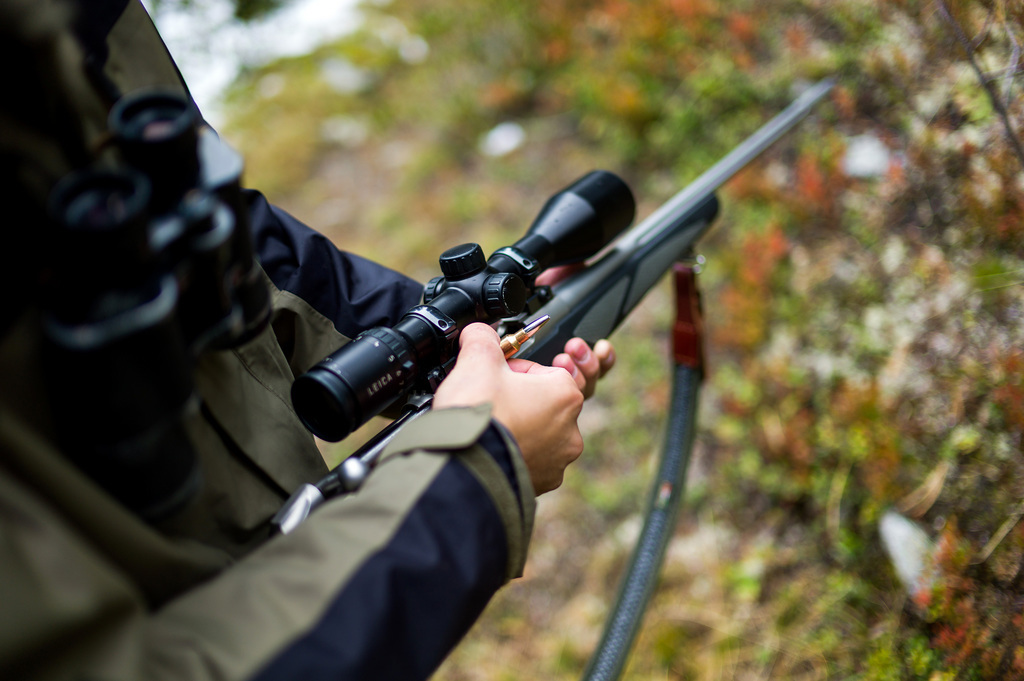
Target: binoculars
(153, 264)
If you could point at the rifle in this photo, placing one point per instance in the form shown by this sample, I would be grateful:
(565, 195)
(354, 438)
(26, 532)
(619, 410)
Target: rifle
(384, 365)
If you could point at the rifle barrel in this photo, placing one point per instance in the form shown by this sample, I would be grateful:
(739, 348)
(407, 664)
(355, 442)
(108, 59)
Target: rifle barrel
(594, 302)
(752, 147)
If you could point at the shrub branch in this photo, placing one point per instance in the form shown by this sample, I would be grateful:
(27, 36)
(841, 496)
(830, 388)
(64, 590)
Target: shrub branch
(997, 101)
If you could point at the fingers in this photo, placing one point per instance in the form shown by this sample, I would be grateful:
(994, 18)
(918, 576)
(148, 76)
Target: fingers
(539, 405)
(553, 275)
(565, 362)
(481, 357)
(586, 366)
(605, 356)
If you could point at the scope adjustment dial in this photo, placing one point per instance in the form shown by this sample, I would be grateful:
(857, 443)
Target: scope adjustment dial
(504, 295)
(463, 261)
(433, 289)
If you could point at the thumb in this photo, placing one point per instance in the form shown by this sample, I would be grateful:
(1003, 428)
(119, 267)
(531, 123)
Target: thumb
(479, 345)
(476, 376)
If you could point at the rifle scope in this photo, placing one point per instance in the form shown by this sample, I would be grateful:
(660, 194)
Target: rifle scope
(360, 379)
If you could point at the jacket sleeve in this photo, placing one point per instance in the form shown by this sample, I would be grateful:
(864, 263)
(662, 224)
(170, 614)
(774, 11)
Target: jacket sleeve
(353, 292)
(380, 584)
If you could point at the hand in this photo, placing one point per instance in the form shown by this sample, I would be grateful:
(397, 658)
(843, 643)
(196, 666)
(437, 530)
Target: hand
(585, 366)
(538, 405)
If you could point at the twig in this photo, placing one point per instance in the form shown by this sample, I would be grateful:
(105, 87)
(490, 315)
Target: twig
(918, 502)
(1000, 286)
(1014, 63)
(997, 102)
(983, 33)
(1000, 535)
(1008, 72)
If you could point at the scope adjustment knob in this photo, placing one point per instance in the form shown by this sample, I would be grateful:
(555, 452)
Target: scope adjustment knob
(463, 261)
(432, 289)
(504, 295)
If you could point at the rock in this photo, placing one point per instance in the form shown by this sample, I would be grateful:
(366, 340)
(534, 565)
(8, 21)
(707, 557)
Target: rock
(910, 549)
(866, 156)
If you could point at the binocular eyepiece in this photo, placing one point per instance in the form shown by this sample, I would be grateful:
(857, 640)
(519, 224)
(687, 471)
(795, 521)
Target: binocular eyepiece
(359, 380)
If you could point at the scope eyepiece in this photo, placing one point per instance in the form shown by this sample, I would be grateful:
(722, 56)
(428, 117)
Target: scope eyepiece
(354, 384)
(325, 404)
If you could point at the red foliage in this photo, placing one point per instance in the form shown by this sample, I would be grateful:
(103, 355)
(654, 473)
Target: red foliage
(960, 640)
(692, 11)
(845, 102)
(1010, 226)
(819, 181)
(556, 51)
(922, 599)
(811, 184)
(742, 27)
(761, 253)
(743, 300)
(618, 9)
(797, 38)
(896, 174)
(744, 319)
(1010, 395)
(499, 95)
(627, 101)
(951, 557)
(752, 182)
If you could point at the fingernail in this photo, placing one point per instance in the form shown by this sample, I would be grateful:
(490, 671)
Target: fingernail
(582, 354)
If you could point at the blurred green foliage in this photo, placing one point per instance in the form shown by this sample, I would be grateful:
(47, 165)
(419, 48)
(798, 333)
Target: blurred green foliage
(866, 334)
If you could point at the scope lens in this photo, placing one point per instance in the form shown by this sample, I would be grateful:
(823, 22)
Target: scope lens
(324, 404)
(580, 220)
